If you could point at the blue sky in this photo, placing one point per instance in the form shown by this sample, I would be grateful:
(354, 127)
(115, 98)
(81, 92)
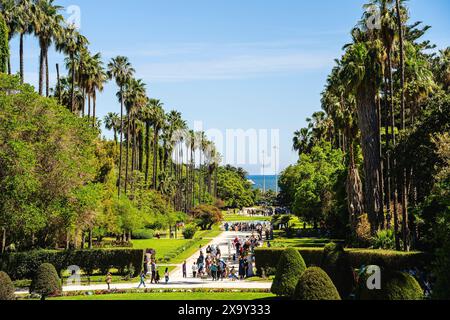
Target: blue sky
(232, 64)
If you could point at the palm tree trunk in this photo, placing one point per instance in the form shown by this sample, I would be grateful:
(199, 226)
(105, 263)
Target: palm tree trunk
(58, 83)
(141, 151)
(155, 159)
(127, 152)
(147, 146)
(381, 217)
(47, 80)
(41, 71)
(89, 106)
(94, 108)
(72, 99)
(3, 240)
(21, 58)
(368, 124)
(121, 140)
(405, 229)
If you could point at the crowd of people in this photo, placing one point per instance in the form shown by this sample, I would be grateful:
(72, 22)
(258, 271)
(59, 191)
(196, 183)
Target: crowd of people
(261, 228)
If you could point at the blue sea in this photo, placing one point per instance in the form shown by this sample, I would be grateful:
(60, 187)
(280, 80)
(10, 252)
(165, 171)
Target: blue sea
(271, 182)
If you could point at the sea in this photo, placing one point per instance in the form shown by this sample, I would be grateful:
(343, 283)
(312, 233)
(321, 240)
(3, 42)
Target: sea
(258, 180)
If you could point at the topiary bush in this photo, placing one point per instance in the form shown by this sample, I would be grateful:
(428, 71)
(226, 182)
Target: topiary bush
(46, 282)
(394, 286)
(189, 231)
(144, 234)
(6, 287)
(315, 284)
(336, 263)
(290, 267)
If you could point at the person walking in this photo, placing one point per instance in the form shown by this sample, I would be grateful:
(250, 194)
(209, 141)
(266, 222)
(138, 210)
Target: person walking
(184, 270)
(142, 277)
(194, 270)
(109, 280)
(166, 275)
(214, 271)
(153, 271)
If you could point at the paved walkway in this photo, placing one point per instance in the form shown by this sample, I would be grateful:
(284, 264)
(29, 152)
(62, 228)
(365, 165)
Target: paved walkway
(176, 277)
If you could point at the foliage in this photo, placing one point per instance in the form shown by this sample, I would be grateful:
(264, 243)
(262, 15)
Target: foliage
(189, 231)
(23, 265)
(205, 216)
(394, 286)
(384, 239)
(315, 284)
(266, 258)
(314, 178)
(234, 188)
(46, 154)
(144, 234)
(4, 45)
(46, 281)
(289, 269)
(336, 263)
(6, 287)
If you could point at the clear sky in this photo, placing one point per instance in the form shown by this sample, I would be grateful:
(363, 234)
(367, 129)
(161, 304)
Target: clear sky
(232, 64)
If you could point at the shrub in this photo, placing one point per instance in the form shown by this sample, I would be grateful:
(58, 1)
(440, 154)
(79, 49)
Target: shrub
(24, 264)
(189, 231)
(290, 267)
(336, 263)
(384, 239)
(46, 281)
(143, 234)
(6, 287)
(315, 284)
(394, 286)
(267, 258)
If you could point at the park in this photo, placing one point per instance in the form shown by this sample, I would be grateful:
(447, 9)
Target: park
(106, 193)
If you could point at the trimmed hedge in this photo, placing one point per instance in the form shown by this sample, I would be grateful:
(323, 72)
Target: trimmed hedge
(315, 284)
(46, 282)
(267, 258)
(394, 286)
(289, 269)
(336, 263)
(24, 265)
(6, 287)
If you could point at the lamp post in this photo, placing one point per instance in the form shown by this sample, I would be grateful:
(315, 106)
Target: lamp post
(264, 174)
(275, 148)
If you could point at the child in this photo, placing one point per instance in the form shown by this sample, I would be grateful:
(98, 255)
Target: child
(109, 280)
(142, 276)
(166, 275)
(157, 277)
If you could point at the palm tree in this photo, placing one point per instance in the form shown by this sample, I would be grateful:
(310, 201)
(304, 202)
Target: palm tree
(73, 44)
(302, 141)
(363, 67)
(135, 98)
(120, 69)
(24, 26)
(47, 27)
(112, 122)
(158, 118)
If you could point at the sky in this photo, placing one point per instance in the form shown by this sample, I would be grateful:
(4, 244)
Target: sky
(257, 66)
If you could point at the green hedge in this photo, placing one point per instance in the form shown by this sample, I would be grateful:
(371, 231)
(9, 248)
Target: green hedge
(267, 258)
(24, 265)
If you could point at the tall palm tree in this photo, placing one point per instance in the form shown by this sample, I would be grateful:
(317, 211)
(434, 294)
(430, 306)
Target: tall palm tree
(112, 122)
(158, 118)
(363, 66)
(73, 44)
(121, 70)
(47, 27)
(135, 98)
(24, 26)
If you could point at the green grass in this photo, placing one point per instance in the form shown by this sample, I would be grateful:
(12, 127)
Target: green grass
(300, 242)
(175, 296)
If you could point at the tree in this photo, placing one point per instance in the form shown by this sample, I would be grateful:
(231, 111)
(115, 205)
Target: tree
(157, 116)
(205, 216)
(120, 69)
(4, 45)
(46, 282)
(47, 25)
(290, 267)
(112, 122)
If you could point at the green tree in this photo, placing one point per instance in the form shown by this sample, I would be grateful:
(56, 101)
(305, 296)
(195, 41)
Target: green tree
(4, 45)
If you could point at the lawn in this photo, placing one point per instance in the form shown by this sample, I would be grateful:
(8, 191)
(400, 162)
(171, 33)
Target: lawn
(176, 296)
(301, 242)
